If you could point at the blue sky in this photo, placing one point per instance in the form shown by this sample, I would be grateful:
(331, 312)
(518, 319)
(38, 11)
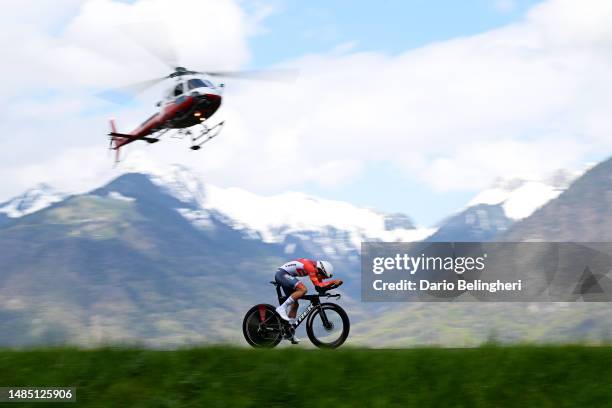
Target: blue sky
(391, 27)
(384, 188)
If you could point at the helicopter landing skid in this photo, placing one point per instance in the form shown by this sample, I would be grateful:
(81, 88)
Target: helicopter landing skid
(207, 133)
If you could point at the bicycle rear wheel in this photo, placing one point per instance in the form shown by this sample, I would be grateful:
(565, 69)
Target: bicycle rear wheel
(262, 326)
(328, 326)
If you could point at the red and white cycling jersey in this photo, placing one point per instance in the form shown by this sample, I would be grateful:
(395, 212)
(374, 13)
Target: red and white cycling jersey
(305, 267)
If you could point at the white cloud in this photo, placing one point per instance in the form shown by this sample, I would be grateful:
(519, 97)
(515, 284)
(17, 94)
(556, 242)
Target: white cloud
(74, 170)
(92, 48)
(520, 100)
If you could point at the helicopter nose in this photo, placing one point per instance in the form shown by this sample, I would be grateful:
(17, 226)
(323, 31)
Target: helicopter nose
(209, 102)
(212, 97)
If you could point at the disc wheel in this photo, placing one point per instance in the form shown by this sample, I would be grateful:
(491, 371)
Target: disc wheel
(328, 326)
(262, 326)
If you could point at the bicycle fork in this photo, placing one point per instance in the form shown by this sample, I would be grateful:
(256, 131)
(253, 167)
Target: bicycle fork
(308, 311)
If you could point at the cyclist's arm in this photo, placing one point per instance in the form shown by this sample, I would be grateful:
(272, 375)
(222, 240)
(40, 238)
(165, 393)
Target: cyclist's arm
(331, 284)
(318, 282)
(312, 274)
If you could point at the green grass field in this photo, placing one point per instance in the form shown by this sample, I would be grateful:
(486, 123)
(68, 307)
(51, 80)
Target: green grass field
(572, 376)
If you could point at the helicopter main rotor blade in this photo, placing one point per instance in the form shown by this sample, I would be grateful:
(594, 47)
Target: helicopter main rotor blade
(154, 38)
(129, 91)
(274, 75)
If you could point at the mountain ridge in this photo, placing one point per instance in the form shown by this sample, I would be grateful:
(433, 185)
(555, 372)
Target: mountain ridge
(272, 218)
(127, 262)
(580, 213)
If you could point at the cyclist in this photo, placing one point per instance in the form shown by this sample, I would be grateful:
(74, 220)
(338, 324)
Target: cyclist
(287, 276)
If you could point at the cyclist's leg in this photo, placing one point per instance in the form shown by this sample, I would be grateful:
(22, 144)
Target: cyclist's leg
(287, 282)
(300, 290)
(292, 288)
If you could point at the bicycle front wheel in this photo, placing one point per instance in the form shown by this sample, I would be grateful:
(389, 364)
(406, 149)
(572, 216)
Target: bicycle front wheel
(328, 326)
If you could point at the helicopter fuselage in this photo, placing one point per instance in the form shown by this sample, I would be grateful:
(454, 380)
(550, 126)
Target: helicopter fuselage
(178, 111)
(191, 101)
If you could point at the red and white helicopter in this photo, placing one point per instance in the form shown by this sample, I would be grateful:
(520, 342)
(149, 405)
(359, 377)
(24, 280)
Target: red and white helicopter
(190, 102)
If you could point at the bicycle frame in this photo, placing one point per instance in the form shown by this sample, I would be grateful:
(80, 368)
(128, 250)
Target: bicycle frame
(315, 303)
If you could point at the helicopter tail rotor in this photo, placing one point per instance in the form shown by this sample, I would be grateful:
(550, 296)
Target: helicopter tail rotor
(113, 145)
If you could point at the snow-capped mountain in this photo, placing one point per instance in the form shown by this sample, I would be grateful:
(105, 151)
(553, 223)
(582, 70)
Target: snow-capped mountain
(519, 198)
(581, 213)
(35, 199)
(334, 225)
(494, 210)
(290, 218)
(273, 218)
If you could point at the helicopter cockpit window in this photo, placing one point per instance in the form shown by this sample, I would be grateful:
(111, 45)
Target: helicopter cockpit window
(197, 83)
(178, 90)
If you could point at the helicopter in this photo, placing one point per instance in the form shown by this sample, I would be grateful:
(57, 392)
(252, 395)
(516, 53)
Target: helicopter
(187, 106)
